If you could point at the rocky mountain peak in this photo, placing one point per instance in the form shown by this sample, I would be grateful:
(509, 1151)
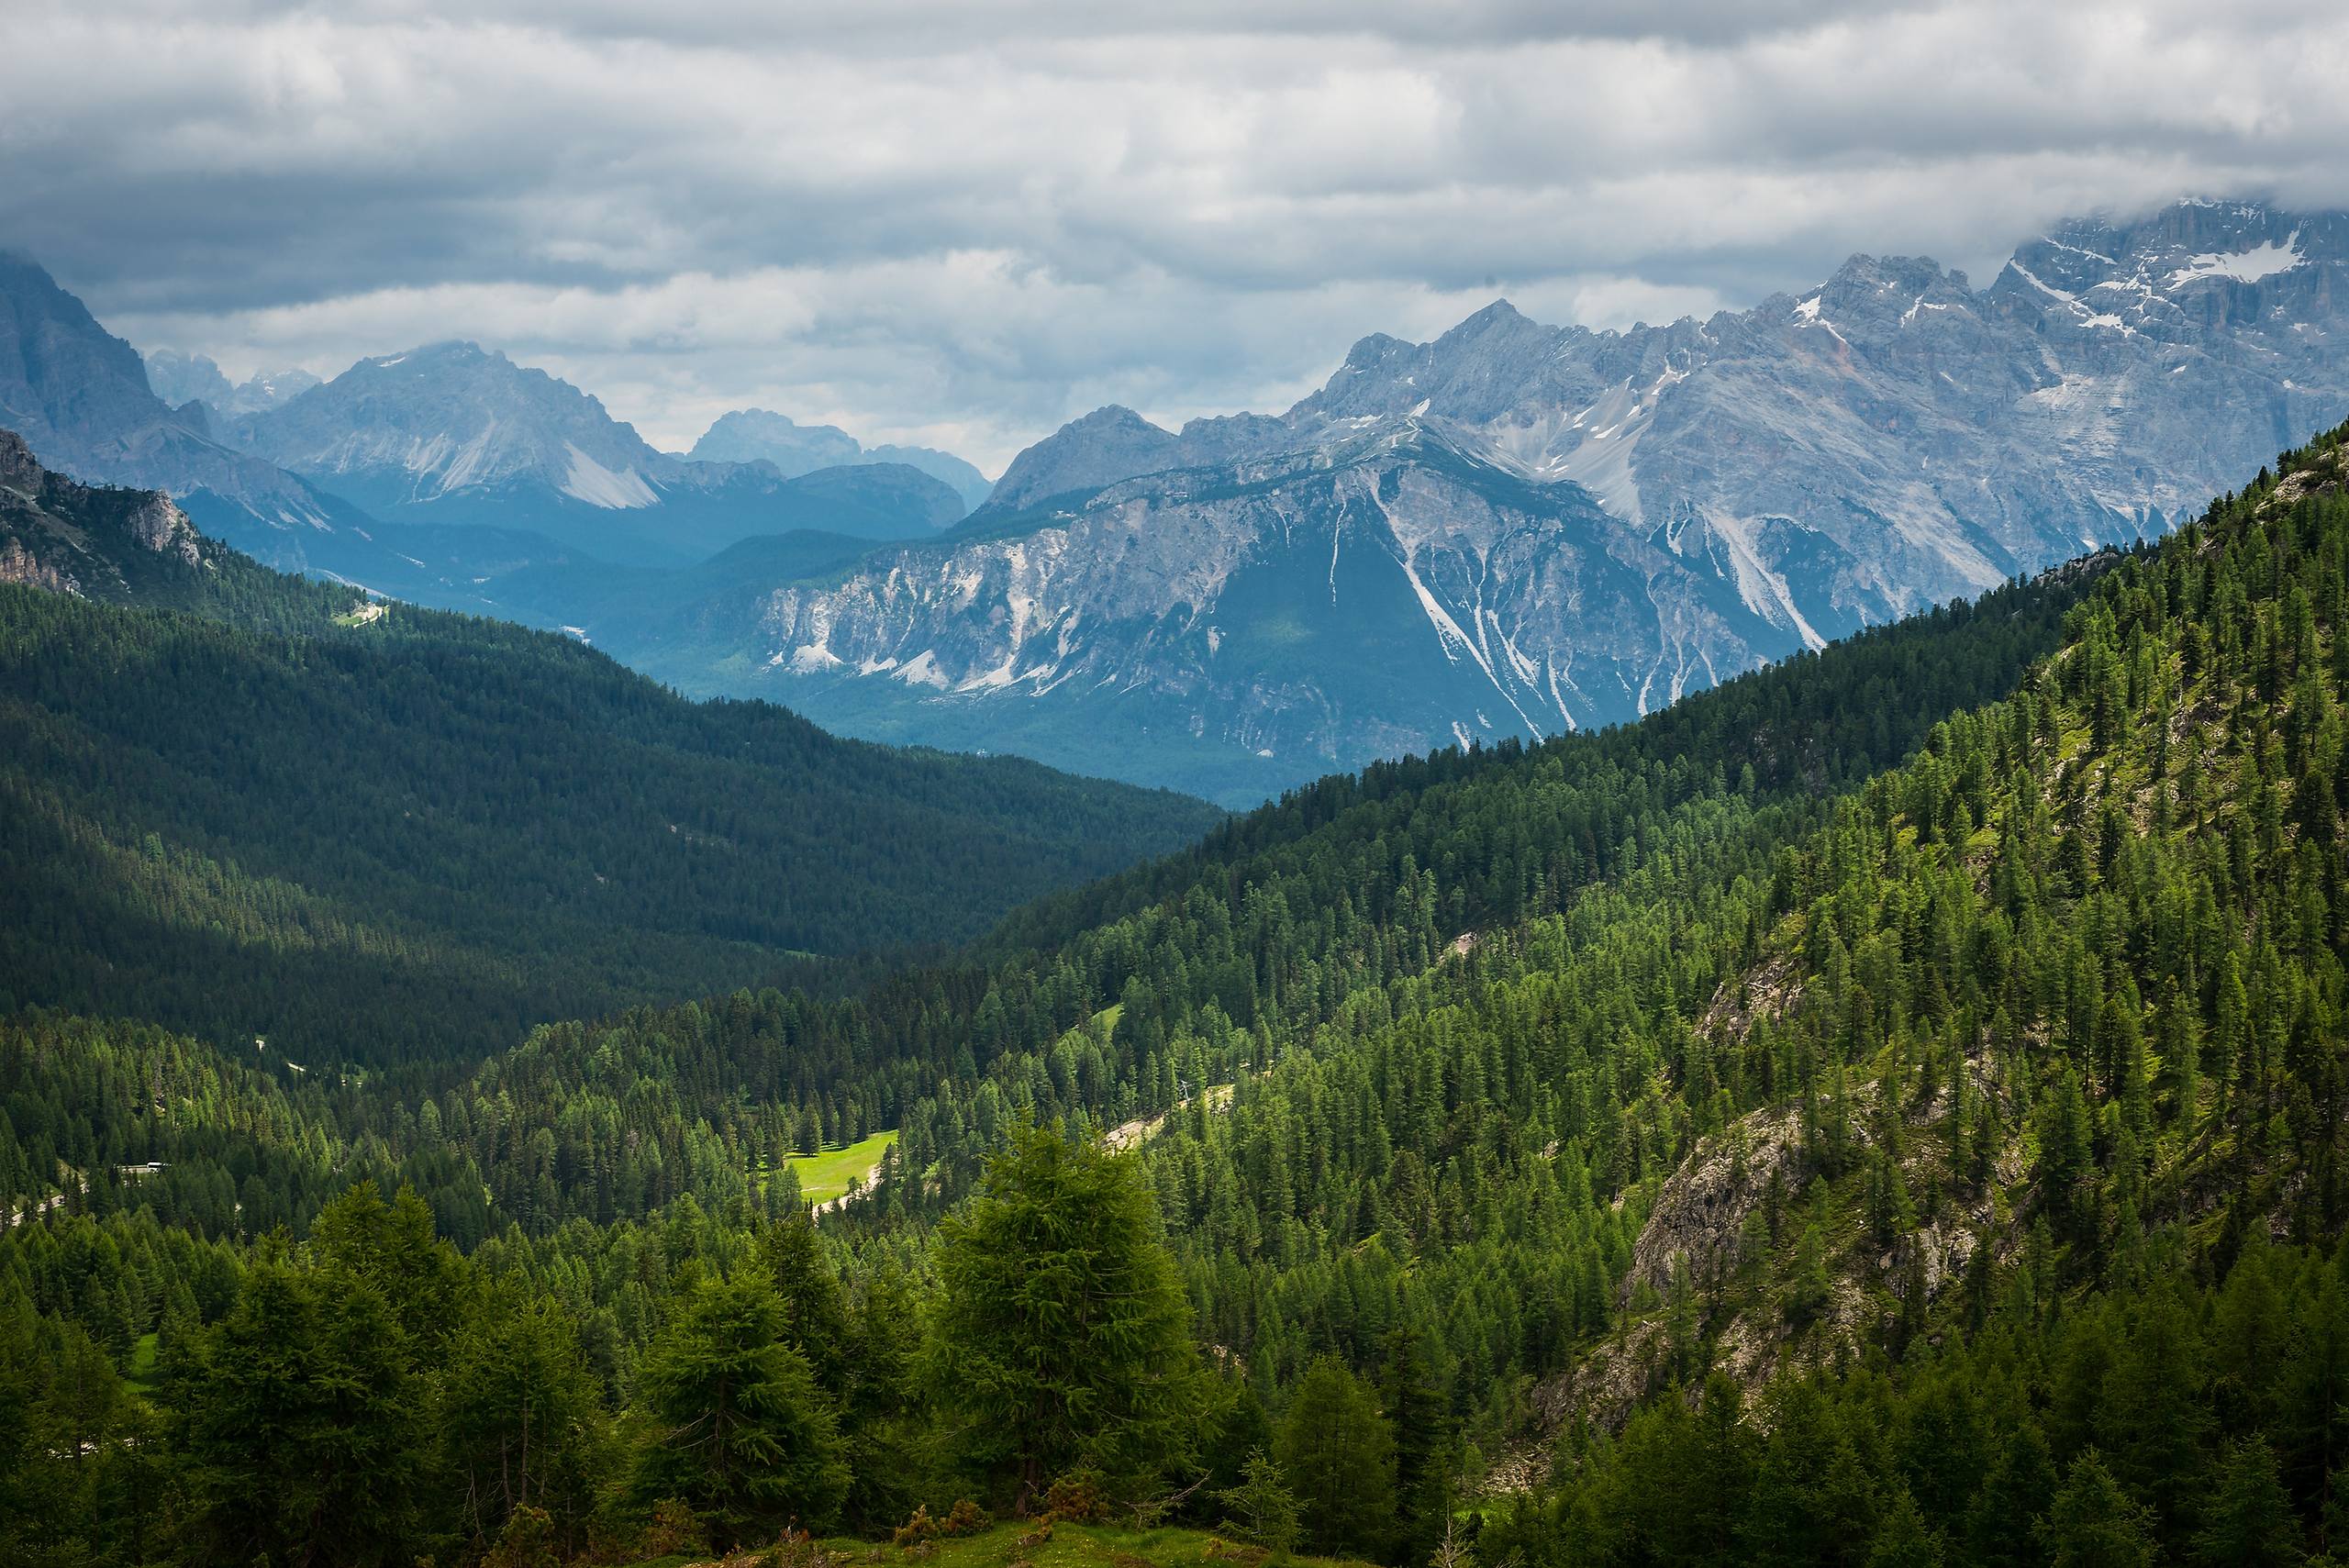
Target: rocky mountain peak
(1378, 350)
(18, 465)
(1111, 443)
(1500, 318)
(452, 415)
(760, 434)
(182, 380)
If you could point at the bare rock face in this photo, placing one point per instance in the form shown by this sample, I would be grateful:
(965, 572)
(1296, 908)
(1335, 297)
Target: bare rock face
(1698, 1220)
(158, 525)
(20, 565)
(93, 542)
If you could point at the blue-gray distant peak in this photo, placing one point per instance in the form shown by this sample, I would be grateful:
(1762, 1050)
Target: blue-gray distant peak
(760, 434)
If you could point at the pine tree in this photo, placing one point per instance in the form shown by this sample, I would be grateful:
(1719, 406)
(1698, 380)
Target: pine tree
(738, 1429)
(1338, 1454)
(1063, 1337)
(2248, 1520)
(1902, 1538)
(1263, 1507)
(2092, 1523)
(299, 1425)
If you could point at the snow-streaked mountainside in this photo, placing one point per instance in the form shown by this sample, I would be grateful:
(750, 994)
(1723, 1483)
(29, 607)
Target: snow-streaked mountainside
(756, 434)
(452, 433)
(1225, 625)
(1517, 527)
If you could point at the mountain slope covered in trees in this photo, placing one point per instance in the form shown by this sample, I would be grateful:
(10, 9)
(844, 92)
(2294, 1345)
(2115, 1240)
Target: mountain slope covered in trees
(1887, 1109)
(365, 831)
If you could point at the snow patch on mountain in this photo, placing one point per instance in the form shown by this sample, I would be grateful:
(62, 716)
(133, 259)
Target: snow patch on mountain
(591, 482)
(2262, 261)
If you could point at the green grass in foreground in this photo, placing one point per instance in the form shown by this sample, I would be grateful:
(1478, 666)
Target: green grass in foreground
(1070, 1546)
(825, 1176)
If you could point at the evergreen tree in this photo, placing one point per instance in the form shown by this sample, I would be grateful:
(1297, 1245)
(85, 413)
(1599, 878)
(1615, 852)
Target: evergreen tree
(2248, 1519)
(1062, 1334)
(1902, 1538)
(738, 1428)
(300, 1427)
(1263, 1507)
(2092, 1523)
(1337, 1454)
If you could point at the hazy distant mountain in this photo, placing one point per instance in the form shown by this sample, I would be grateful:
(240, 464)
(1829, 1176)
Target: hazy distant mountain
(454, 433)
(180, 379)
(1517, 529)
(755, 435)
(80, 399)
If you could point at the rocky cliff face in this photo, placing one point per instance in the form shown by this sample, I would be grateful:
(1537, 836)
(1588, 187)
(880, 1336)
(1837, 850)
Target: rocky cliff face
(95, 542)
(1711, 494)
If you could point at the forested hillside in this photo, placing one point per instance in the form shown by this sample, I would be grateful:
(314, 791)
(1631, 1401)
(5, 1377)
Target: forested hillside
(1887, 1109)
(367, 832)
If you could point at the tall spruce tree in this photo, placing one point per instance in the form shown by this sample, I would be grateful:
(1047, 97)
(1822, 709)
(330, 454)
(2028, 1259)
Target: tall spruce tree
(1338, 1453)
(1062, 1337)
(739, 1432)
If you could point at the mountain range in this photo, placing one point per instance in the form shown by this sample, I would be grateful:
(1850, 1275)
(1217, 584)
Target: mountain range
(1517, 530)
(1513, 529)
(427, 475)
(454, 433)
(1886, 1109)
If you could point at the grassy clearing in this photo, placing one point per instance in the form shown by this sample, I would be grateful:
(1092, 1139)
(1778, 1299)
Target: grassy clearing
(825, 1176)
(141, 1376)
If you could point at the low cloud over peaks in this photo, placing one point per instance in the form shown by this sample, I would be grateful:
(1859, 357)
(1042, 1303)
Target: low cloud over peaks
(960, 224)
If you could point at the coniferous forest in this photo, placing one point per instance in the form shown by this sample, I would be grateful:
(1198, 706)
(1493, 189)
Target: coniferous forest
(1886, 1109)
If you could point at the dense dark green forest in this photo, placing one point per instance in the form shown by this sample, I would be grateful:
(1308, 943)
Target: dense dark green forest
(1887, 1109)
(371, 834)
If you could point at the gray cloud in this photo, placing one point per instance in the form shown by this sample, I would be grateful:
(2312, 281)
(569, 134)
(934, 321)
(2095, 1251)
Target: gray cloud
(962, 222)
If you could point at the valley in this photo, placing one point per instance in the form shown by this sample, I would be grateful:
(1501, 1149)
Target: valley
(1014, 785)
(1852, 1093)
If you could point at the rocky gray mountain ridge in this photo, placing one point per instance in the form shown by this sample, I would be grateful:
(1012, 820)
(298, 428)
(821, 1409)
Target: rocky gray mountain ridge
(79, 398)
(755, 434)
(180, 379)
(1555, 526)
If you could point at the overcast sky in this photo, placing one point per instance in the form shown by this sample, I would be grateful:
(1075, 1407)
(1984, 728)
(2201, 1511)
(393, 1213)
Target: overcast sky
(961, 223)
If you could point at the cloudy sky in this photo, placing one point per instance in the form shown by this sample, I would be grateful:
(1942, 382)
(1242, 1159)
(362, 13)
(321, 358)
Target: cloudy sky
(963, 221)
